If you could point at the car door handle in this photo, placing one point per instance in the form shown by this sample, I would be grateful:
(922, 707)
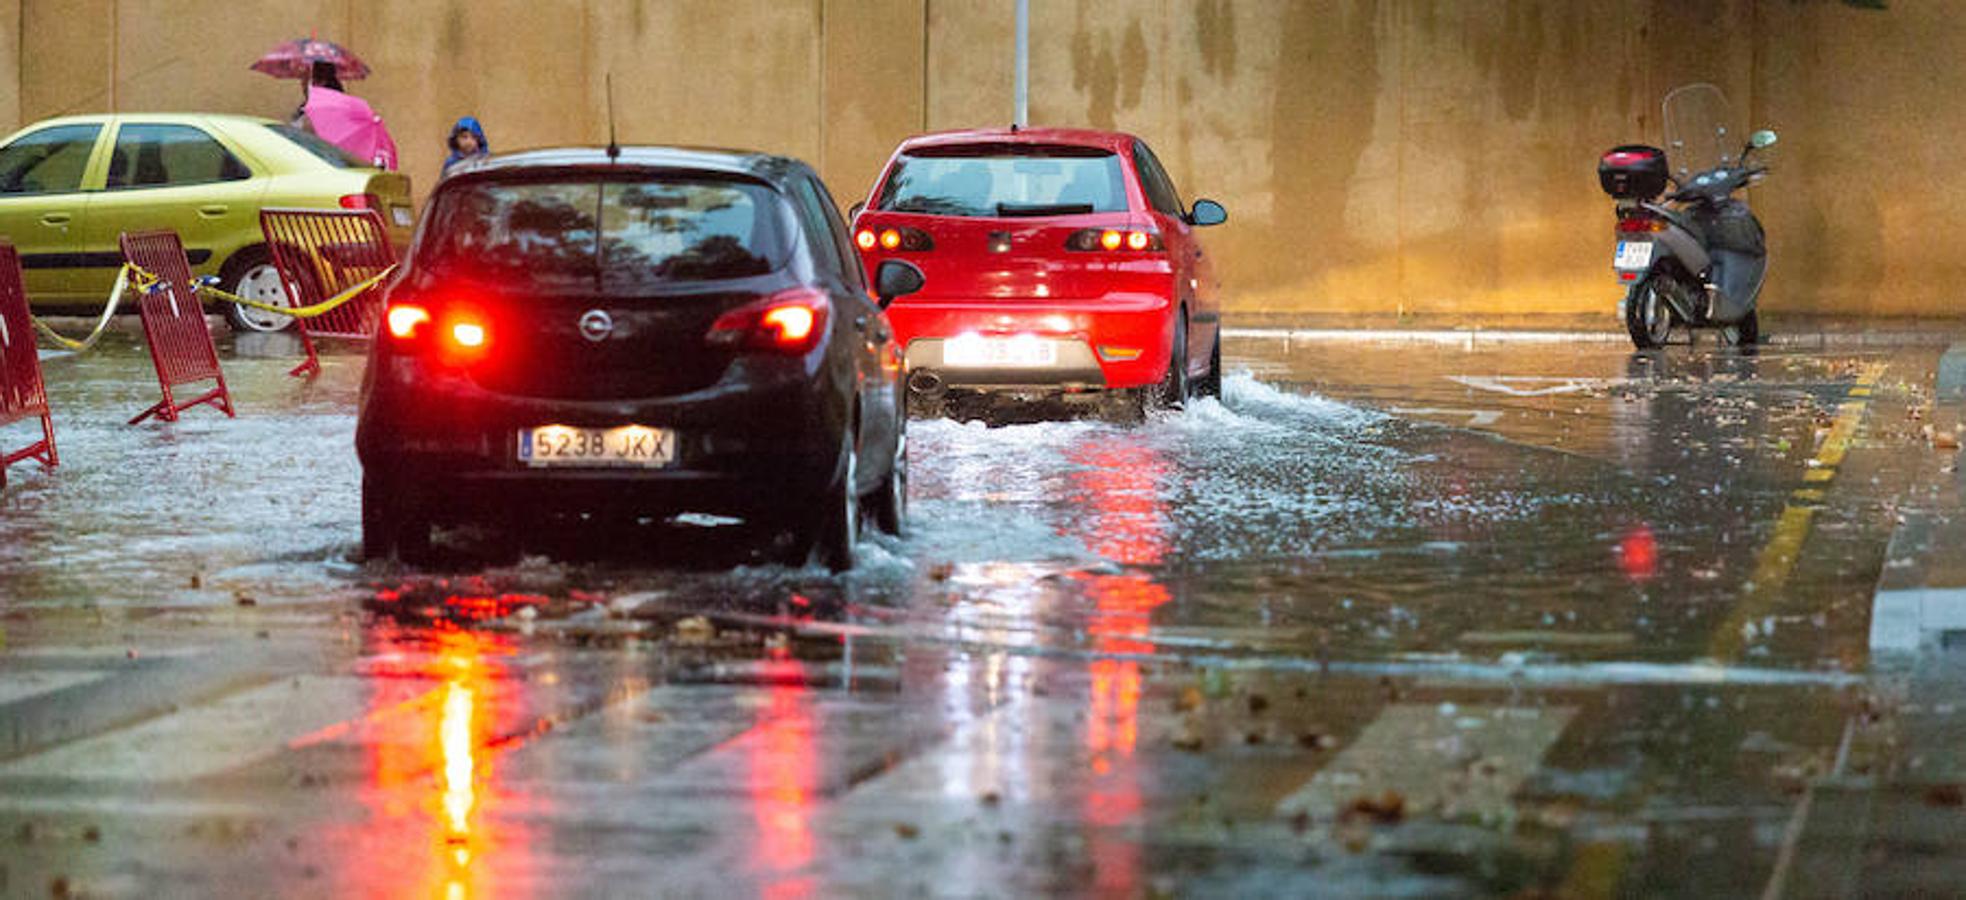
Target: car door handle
(56, 218)
(213, 210)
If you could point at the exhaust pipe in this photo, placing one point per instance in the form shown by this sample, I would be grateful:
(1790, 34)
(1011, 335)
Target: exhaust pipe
(926, 384)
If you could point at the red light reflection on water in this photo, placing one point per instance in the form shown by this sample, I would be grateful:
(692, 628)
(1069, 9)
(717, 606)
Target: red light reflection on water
(781, 760)
(430, 771)
(1638, 553)
(1125, 524)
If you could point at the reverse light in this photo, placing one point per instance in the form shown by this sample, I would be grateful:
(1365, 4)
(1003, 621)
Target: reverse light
(1114, 240)
(786, 322)
(405, 319)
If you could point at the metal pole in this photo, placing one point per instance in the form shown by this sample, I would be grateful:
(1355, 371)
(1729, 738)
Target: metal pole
(1023, 63)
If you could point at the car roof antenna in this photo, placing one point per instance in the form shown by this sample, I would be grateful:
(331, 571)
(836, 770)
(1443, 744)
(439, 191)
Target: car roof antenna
(614, 146)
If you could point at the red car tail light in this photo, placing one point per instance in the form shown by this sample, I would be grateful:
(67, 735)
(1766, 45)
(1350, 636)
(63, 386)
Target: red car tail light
(1114, 240)
(405, 319)
(901, 238)
(361, 201)
(786, 322)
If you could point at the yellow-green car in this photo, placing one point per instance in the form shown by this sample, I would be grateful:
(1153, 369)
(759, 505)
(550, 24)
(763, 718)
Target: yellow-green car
(70, 186)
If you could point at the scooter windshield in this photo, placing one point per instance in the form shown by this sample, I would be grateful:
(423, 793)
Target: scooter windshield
(1700, 131)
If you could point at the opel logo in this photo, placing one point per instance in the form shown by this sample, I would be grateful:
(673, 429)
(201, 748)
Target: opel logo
(596, 325)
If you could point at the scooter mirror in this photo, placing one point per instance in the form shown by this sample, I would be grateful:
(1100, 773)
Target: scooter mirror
(1762, 140)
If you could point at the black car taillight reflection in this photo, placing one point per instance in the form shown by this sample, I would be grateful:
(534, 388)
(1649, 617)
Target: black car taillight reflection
(786, 322)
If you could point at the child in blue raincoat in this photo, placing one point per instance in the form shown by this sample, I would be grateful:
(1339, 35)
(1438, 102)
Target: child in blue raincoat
(467, 141)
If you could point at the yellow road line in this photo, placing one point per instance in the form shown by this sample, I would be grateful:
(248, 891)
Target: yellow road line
(1777, 560)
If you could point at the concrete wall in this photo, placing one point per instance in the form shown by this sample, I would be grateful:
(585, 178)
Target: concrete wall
(1375, 155)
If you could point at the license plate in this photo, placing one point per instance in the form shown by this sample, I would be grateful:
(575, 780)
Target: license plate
(627, 446)
(971, 351)
(1633, 255)
(402, 215)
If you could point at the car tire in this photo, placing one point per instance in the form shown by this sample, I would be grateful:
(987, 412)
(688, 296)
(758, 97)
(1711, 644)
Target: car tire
(890, 500)
(1210, 385)
(392, 528)
(836, 533)
(1173, 390)
(250, 273)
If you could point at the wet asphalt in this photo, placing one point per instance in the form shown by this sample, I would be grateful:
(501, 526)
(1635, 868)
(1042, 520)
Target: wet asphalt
(1389, 619)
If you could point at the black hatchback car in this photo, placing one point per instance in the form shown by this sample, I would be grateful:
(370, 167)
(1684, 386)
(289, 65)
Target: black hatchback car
(635, 333)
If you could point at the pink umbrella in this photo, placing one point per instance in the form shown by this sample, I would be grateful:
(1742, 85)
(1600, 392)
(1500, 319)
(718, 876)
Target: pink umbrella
(346, 121)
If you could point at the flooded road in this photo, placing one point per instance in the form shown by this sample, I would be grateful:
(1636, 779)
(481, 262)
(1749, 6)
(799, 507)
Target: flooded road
(1387, 619)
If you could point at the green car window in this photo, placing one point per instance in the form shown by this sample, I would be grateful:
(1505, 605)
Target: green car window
(48, 161)
(322, 150)
(168, 156)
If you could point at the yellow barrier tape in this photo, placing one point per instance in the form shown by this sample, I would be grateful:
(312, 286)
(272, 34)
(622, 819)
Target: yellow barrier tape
(298, 312)
(125, 277)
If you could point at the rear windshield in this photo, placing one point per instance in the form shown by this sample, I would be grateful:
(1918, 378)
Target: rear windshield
(614, 234)
(1006, 180)
(312, 143)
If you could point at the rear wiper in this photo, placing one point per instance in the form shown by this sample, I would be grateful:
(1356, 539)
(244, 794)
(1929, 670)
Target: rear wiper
(1043, 209)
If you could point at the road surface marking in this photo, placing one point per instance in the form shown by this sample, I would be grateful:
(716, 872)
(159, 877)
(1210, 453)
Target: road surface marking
(1776, 561)
(18, 686)
(229, 733)
(1444, 760)
(1477, 418)
(1534, 385)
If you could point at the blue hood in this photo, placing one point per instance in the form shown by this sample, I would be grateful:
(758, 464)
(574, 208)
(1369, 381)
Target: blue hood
(468, 123)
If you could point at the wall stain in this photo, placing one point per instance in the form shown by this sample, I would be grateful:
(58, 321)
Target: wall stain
(1322, 110)
(1215, 35)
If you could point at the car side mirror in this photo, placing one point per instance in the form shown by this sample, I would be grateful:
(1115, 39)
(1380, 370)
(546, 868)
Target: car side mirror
(895, 279)
(853, 212)
(1206, 213)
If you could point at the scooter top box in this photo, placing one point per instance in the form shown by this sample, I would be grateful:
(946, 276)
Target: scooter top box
(1633, 172)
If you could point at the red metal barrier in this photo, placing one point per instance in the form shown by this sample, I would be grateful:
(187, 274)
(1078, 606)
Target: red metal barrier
(321, 253)
(22, 393)
(174, 325)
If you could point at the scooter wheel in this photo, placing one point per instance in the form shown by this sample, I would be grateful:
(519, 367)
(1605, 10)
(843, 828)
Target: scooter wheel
(1648, 317)
(1745, 333)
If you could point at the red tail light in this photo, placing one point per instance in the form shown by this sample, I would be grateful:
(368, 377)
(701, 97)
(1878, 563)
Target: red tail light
(899, 238)
(1114, 240)
(786, 322)
(361, 201)
(1641, 225)
(462, 334)
(406, 319)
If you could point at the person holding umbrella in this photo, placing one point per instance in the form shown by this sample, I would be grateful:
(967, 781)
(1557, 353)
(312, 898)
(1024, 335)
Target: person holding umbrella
(339, 118)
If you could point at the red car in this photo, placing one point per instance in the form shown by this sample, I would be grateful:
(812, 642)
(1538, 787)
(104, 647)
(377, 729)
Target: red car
(1060, 264)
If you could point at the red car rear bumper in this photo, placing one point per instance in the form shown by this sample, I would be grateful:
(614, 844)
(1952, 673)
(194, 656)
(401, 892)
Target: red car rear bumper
(1116, 341)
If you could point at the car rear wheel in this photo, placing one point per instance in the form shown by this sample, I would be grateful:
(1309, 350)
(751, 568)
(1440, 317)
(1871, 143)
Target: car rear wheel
(1210, 385)
(250, 273)
(391, 525)
(836, 534)
(1174, 389)
(891, 500)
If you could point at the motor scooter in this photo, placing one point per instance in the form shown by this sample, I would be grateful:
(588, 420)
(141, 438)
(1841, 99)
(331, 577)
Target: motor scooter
(1699, 258)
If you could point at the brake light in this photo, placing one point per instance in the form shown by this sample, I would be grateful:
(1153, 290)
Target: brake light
(469, 335)
(1114, 240)
(902, 238)
(1641, 225)
(785, 322)
(405, 319)
(361, 201)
